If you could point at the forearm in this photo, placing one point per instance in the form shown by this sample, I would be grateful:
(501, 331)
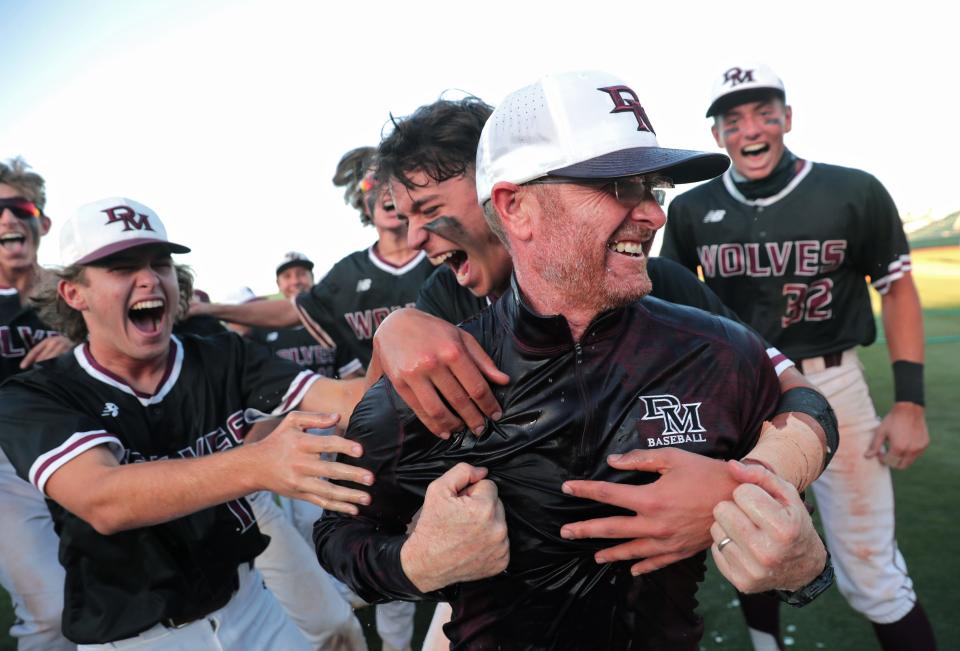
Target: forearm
(903, 321)
(279, 313)
(365, 556)
(329, 396)
(802, 437)
(115, 498)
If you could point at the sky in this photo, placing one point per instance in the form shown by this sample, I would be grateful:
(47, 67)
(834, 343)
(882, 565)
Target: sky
(228, 118)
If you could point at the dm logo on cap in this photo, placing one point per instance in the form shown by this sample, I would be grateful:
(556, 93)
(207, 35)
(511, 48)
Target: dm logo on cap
(631, 105)
(737, 76)
(130, 219)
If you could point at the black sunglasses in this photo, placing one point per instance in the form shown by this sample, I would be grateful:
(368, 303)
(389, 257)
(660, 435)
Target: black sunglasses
(20, 207)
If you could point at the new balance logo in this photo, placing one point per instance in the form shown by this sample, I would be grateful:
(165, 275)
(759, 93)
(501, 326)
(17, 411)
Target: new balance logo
(714, 216)
(364, 284)
(681, 421)
(110, 409)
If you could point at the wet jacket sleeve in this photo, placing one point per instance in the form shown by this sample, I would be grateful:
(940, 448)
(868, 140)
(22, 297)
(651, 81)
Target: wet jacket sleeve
(363, 551)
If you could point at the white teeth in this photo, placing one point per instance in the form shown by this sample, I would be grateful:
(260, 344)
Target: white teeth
(752, 148)
(147, 305)
(632, 248)
(11, 236)
(440, 259)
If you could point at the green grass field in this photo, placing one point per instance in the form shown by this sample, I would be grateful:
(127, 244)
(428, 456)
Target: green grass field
(928, 501)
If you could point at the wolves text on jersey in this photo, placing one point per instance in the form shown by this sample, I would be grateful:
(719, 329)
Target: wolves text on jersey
(220, 439)
(809, 257)
(28, 337)
(364, 323)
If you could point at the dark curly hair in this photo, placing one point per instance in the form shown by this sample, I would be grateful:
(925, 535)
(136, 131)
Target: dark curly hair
(439, 139)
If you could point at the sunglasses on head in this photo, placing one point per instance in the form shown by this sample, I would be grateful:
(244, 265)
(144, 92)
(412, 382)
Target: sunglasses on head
(20, 207)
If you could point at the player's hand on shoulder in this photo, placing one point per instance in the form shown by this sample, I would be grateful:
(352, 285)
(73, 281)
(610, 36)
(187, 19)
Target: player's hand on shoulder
(901, 437)
(48, 348)
(673, 513)
(290, 463)
(425, 358)
(460, 534)
(764, 538)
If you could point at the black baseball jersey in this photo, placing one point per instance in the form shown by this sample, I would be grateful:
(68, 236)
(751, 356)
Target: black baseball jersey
(22, 329)
(343, 310)
(648, 375)
(298, 345)
(792, 265)
(121, 584)
(443, 297)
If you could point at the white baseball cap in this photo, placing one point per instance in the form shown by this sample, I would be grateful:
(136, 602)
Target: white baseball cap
(294, 259)
(240, 296)
(102, 228)
(585, 124)
(741, 84)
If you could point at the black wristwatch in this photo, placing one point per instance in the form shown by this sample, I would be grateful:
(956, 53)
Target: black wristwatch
(806, 594)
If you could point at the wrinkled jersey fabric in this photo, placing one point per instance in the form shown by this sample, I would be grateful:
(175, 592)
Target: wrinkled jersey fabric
(648, 375)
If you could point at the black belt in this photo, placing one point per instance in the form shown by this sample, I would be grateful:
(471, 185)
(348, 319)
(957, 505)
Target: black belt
(199, 612)
(829, 360)
(216, 602)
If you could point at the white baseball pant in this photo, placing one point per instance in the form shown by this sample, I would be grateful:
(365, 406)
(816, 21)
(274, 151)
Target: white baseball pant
(855, 500)
(394, 619)
(29, 567)
(307, 593)
(252, 619)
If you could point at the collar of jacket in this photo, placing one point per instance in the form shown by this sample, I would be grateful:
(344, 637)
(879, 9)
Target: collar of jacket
(549, 335)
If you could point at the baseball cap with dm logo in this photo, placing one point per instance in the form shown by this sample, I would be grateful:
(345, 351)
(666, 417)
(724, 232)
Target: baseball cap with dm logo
(102, 228)
(586, 125)
(743, 84)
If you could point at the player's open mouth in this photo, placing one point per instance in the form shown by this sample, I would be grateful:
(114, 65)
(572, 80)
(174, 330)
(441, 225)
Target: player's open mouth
(147, 315)
(453, 259)
(755, 149)
(629, 248)
(8, 239)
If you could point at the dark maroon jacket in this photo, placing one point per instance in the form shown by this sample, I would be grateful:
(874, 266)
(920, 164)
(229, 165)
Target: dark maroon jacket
(649, 375)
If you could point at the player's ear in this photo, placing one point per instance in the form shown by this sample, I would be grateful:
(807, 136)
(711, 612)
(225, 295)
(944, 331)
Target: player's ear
(44, 225)
(787, 118)
(69, 291)
(715, 130)
(512, 204)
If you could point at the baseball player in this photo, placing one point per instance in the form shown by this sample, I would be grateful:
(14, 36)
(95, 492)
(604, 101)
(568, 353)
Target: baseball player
(134, 438)
(787, 243)
(579, 383)
(345, 308)
(29, 569)
(294, 276)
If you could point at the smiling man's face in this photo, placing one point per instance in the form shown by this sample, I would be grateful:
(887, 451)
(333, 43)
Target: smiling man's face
(445, 220)
(19, 234)
(752, 134)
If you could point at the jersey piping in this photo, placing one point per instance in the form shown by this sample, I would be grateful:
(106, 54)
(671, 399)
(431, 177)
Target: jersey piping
(390, 269)
(48, 463)
(765, 201)
(313, 327)
(98, 372)
(294, 395)
(895, 271)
